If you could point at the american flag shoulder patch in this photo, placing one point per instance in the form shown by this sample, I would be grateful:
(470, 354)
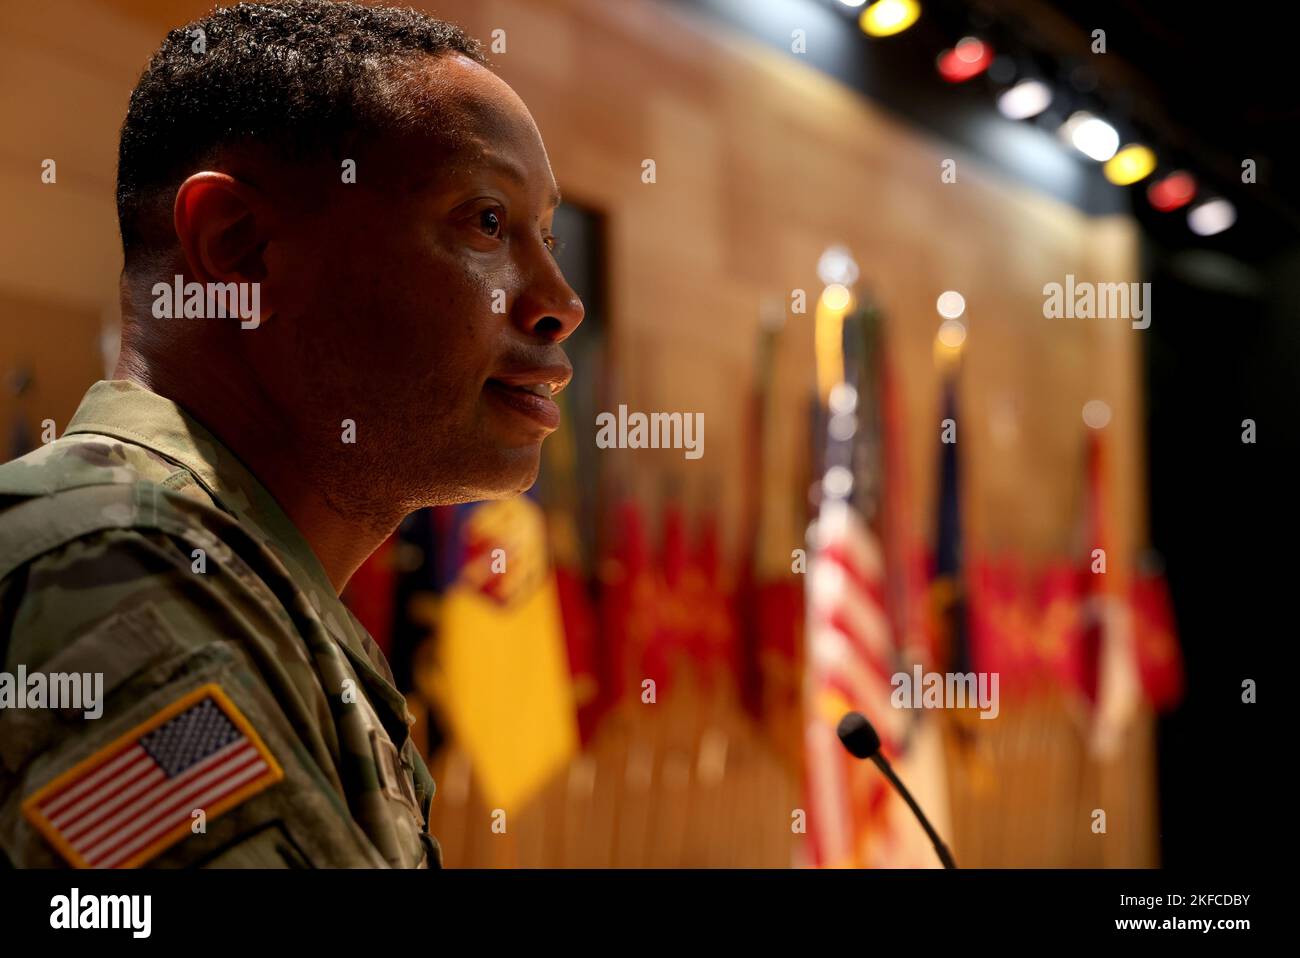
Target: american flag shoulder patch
(136, 797)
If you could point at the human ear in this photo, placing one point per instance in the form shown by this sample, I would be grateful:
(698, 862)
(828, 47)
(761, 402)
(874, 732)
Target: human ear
(219, 229)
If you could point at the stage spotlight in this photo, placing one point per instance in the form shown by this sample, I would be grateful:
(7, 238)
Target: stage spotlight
(1134, 162)
(1173, 192)
(853, 3)
(1026, 99)
(884, 18)
(1091, 136)
(1210, 217)
(969, 58)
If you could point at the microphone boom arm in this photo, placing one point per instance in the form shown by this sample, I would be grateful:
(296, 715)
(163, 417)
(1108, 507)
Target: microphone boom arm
(940, 848)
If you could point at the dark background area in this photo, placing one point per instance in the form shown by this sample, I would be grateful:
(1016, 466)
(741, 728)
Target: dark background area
(1222, 520)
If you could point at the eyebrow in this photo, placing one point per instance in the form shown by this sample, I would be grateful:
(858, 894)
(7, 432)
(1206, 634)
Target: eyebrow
(515, 173)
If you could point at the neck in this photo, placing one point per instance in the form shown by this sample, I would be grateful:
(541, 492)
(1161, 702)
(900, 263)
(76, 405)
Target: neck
(241, 416)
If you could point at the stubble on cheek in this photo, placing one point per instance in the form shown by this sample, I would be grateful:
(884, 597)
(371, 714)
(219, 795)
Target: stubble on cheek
(423, 342)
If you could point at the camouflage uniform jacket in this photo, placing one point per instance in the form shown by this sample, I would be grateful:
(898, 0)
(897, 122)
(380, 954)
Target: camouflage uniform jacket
(139, 547)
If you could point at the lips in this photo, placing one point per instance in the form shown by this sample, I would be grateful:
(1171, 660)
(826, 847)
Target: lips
(530, 392)
(556, 376)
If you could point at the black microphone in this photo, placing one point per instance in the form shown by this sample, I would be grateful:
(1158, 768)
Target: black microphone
(861, 741)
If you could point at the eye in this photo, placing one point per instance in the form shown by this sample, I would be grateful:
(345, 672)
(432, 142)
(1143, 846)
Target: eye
(555, 245)
(489, 221)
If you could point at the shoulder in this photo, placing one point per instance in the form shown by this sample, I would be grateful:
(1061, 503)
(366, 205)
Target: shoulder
(92, 527)
(85, 483)
(90, 524)
(87, 459)
(152, 736)
(173, 691)
(123, 583)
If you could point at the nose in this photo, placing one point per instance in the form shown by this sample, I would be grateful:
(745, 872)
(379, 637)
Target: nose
(548, 309)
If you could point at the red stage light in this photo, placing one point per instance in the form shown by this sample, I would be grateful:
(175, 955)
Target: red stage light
(969, 58)
(1175, 190)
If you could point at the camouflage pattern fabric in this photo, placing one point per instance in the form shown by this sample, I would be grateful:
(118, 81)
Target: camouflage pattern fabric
(139, 547)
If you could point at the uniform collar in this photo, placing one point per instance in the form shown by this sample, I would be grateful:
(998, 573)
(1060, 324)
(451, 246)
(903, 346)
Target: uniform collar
(128, 411)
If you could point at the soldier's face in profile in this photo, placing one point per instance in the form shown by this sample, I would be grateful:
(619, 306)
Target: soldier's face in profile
(424, 302)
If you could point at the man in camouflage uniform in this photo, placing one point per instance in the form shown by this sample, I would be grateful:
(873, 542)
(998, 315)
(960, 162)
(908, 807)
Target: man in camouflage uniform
(188, 535)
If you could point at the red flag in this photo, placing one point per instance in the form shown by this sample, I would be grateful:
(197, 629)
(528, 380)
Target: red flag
(779, 606)
(626, 603)
(1110, 678)
(1003, 623)
(1059, 636)
(579, 638)
(713, 637)
(671, 622)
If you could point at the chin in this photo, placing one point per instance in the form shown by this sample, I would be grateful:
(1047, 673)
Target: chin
(514, 472)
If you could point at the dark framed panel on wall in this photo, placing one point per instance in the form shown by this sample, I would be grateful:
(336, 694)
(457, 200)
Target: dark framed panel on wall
(575, 484)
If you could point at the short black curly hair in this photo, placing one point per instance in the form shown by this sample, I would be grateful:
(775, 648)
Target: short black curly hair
(296, 75)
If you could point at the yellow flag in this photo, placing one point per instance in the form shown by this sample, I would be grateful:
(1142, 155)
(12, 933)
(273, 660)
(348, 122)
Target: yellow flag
(502, 673)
